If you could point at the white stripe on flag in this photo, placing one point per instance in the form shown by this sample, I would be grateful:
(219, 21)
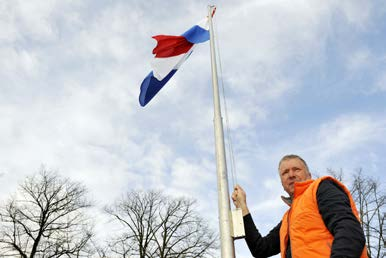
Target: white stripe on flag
(163, 66)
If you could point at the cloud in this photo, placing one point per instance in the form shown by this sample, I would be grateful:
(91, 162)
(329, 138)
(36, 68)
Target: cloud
(360, 59)
(362, 65)
(14, 63)
(190, 177)
(380, 84)
(357, 13)
(37, 22)
(349, 132)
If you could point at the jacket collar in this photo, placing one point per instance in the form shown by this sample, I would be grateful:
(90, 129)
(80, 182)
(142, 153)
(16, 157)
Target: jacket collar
(287, 200)
(300, 187)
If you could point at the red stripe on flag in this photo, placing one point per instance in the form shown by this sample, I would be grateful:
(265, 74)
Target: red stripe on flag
(168, 46)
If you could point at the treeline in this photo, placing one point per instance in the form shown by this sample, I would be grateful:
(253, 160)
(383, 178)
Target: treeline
(49, 216)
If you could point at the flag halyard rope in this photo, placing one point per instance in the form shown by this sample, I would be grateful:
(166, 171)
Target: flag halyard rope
(231, 155)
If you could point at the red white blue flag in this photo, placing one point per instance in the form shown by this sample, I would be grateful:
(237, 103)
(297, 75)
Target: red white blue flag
(170, 52)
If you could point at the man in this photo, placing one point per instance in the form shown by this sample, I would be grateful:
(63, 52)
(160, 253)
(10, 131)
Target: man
(322, 220)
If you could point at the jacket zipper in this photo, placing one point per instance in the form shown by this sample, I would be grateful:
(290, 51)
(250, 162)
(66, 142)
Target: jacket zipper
(288, 230)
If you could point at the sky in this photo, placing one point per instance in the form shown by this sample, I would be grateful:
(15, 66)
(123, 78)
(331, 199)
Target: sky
(302, 77)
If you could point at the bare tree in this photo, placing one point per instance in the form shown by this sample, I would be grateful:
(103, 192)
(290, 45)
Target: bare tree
(336, 174)
(160, 226)
(45, 219)
(98, 250)
(122, 246)
(370, 199)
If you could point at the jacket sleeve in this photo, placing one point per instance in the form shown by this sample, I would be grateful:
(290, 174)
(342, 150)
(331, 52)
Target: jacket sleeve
(258, 245)
(334, 207)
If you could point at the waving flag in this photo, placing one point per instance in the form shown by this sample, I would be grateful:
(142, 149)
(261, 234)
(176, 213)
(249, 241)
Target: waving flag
(170, 52)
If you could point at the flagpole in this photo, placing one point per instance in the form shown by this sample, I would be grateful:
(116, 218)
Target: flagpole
(227, 246)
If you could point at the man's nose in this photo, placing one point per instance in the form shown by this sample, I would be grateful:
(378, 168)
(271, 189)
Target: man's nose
(291, 173)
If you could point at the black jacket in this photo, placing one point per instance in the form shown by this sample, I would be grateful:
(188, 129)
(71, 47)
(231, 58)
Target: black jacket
(335, 209)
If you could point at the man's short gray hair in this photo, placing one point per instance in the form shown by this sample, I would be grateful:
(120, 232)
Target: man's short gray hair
(293, 156)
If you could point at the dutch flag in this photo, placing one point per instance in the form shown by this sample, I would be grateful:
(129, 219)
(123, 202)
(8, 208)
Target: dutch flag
(170, 52)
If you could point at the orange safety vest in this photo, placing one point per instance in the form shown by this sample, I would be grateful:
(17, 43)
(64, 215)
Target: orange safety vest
(304, 224)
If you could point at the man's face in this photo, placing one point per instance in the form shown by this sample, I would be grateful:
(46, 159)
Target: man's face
(291, 171)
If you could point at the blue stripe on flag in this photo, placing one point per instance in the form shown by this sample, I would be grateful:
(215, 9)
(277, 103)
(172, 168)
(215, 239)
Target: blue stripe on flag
(196, 34)
(151, 86)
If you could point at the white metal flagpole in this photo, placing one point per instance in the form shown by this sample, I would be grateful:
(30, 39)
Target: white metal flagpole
(227, 246)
